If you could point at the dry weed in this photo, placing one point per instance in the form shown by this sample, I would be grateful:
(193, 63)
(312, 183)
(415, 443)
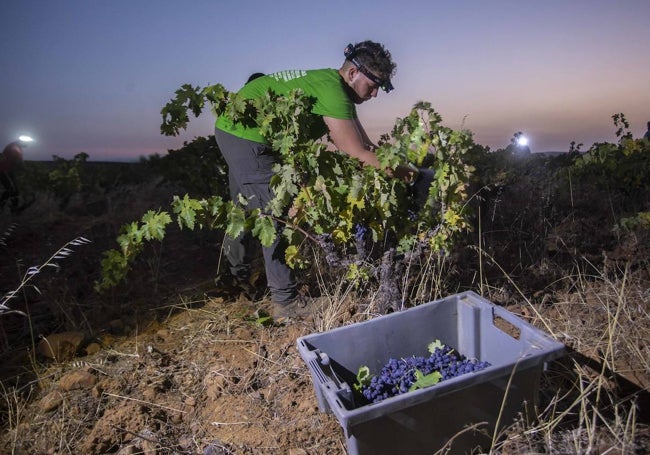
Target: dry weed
(600, 400)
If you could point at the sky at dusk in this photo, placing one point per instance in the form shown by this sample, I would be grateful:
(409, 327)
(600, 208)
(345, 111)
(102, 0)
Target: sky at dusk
(91, 76)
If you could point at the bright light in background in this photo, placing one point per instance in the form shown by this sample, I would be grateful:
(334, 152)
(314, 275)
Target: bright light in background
(522, 141)
(25, 138)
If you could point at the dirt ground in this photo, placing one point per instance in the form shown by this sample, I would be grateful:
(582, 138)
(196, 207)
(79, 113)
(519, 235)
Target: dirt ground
(167, 363)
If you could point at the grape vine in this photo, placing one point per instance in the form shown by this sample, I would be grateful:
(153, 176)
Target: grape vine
(323, 197)
(623, 167)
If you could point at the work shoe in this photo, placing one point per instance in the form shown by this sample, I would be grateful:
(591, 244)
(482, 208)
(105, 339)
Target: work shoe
(297, 309)
(240, 284)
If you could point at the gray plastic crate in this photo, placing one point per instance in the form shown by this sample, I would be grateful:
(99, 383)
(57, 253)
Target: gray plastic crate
(423, 421)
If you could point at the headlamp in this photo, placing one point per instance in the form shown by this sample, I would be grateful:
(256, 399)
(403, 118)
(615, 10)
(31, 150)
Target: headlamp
(351, 55)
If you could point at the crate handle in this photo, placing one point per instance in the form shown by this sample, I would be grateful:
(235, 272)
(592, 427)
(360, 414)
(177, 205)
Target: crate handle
(327, 369)
(527, 333)
(506, 326)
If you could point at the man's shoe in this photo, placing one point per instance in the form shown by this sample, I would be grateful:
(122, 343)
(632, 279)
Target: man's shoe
(297, 309)
(241, 284)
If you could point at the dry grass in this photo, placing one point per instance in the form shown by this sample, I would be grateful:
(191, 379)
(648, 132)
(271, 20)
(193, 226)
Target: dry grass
(596, 398)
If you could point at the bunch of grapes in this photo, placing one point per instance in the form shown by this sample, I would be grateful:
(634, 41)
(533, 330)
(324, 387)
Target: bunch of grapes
(397, 376)
(412, 215)
(360, 232)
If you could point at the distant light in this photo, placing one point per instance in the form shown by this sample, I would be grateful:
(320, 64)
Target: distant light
(25, 138)
(522, 141)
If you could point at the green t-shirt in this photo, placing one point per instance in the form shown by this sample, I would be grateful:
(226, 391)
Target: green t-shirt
(325, 85)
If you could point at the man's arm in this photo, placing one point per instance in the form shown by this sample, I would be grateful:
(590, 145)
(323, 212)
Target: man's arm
(349, 139)
(364, 136)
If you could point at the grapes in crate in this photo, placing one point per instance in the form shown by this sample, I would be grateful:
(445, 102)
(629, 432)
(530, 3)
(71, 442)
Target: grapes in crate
(400, 376)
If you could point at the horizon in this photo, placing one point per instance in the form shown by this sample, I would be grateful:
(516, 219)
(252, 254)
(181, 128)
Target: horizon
(92, 77)
(135, 160)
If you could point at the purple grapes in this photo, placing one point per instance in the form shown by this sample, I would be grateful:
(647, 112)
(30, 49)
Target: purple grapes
(397, 376)
(360, 232)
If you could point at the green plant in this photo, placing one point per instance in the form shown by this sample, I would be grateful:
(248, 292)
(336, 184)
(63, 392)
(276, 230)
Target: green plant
(67, 177)
(116, 264)
(198, 166)
(321, 196)
(640, 220)
(622, 168)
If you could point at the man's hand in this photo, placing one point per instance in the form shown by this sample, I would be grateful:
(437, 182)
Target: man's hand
(406, 173)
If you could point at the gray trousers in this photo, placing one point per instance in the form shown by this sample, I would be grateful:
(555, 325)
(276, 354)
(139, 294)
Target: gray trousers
(249, 174)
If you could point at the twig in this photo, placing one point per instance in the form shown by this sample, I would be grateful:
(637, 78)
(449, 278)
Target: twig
(61, 253)
(144, 402)
(216, 424)
(447, 447)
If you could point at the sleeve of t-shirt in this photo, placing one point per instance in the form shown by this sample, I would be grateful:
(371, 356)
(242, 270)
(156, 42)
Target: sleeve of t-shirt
(341, 109)
(332, 101)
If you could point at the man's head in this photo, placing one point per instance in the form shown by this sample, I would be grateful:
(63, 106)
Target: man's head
(367, 68)
(254, 76)
(13, 154)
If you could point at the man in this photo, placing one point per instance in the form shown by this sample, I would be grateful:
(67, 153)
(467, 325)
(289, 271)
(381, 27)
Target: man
(367, 68)
(10, 160)
(647, 133)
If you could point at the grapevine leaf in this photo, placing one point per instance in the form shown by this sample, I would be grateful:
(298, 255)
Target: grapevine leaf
(356, 202)
(186, 209)
(264, 320)
(264, 230)
(363, 377)
(339, 236)
(437, 344)
(236, 221)
(293, 258)
(241, 199)
(422, 380)
(284, 144)
(153, 225)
